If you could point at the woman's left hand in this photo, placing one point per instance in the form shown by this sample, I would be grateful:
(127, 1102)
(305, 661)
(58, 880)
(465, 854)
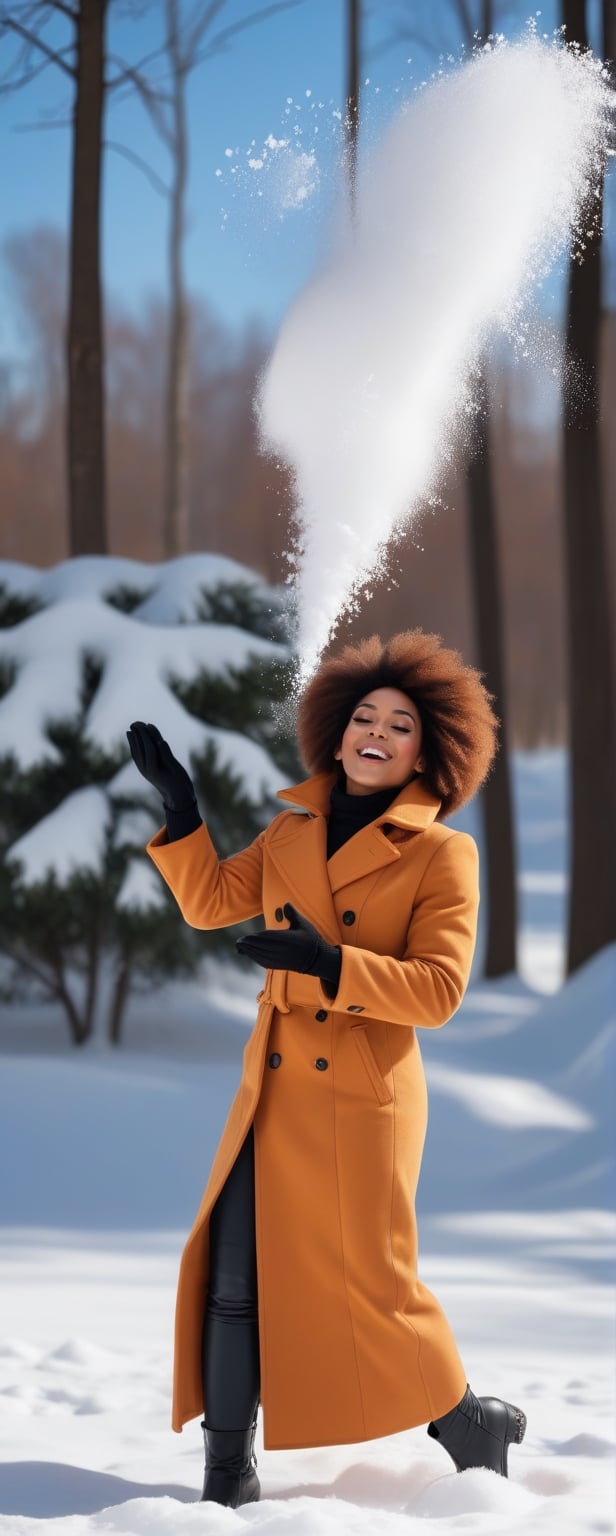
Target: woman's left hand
(298, 948)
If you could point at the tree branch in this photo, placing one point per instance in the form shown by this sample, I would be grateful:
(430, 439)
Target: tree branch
(434, 42)
(112, 58)
(60, 122)
(153, 102)
(219, 42)
(52, 56)
(466, 22)
(608, 35)
(120, 994)
(408, 35)
(65, 10)
(196, 27)
(129, 154)
(378, 49)
(27, 964)
(15, 85)
(79, 1028)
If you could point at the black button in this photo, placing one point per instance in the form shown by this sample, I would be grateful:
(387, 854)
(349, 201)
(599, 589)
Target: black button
(321, 1063)
(275, 1059)
(321, 1015)
(355, 1008)
(348, 918)
(279, 914)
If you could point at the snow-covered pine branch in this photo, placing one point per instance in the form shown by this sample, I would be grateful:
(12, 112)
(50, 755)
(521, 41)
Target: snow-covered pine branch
(84, 649)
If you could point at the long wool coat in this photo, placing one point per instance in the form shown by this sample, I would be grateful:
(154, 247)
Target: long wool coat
(352, 1344)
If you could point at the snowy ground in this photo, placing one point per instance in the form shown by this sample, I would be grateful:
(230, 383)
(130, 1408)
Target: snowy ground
(105, 1155)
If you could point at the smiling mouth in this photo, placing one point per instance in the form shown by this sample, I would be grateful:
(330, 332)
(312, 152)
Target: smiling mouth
(373, 757)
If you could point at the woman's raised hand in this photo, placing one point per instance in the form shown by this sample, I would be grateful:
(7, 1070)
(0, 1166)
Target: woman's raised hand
(153, 757)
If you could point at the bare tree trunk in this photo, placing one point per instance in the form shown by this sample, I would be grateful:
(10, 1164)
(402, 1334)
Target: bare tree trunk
(86, 466)
(79, 1028)
(608, 42)
(488, 601)
(175, 511)
(352, 96)
(55, 986)
(92, 975)
(591, 682)
(120, 996)
(186, 47)
(24, 962)
(496, 793)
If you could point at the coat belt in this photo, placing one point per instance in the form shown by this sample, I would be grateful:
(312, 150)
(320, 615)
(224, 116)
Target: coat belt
(275, 991)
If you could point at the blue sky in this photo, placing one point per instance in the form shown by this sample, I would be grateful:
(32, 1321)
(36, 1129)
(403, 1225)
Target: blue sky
(241, 254)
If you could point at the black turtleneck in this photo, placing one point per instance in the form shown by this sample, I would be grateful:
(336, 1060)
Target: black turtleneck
(349, 813)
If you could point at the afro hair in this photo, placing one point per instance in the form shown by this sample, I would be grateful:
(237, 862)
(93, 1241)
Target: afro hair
(459, 726)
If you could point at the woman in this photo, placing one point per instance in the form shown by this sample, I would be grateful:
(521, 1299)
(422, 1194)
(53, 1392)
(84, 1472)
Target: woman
(313, 1305)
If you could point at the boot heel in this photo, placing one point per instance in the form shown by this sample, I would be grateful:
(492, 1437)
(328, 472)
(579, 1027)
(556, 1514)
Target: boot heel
(516, 1424)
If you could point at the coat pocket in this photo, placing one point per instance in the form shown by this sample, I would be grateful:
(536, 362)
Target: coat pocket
(381, 1089)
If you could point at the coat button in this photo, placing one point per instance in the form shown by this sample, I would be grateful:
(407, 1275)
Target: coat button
(348, 918)
(275, 1059)
(279, 914)
(321, 1015)
(321, 1064)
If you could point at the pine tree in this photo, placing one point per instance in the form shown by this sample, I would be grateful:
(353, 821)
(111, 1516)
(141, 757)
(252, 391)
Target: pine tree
(106, 925)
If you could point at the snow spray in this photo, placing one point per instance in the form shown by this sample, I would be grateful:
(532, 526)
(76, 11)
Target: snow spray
(482, 181)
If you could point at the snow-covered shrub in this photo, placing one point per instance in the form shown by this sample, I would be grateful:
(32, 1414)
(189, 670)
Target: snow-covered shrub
(86, 648)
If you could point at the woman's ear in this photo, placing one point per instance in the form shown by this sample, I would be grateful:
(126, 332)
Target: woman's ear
(338, 754)
(420, 765)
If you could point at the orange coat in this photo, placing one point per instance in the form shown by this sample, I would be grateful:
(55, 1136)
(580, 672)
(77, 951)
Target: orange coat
(352, 1344)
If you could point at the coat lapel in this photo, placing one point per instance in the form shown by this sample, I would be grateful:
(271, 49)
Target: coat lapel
(300, 858)
(362, 854)
(301, 854)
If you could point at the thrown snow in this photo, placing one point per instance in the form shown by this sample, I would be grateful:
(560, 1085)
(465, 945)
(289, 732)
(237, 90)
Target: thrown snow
(475, 190)
(285, 170)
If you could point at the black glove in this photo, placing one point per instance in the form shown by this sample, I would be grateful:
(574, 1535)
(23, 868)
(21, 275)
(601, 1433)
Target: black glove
(153, 757)
(298, 948)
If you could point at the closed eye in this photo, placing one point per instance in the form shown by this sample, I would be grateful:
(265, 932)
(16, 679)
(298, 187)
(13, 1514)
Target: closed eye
(359, 720)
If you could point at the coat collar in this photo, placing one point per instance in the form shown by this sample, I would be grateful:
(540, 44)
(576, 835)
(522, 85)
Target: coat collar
(413, 808)
(299, 852)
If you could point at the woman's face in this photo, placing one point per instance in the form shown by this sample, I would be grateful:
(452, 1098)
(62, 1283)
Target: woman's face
(385, 724)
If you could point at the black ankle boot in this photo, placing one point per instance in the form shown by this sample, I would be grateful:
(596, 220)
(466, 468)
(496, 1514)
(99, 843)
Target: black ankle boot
(230, 1463)
(479, 1431)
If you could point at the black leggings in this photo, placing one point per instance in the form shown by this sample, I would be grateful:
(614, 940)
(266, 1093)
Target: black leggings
(230, 1354)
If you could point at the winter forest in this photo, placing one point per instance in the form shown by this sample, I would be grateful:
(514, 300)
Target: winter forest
(308, 332)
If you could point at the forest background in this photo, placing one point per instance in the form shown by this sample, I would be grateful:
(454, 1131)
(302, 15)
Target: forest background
(245, 256)
(171, 188)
